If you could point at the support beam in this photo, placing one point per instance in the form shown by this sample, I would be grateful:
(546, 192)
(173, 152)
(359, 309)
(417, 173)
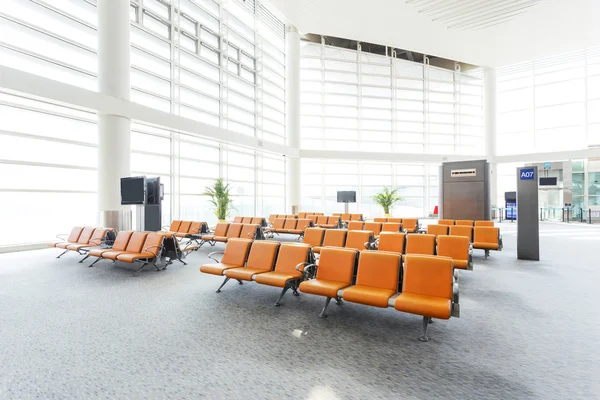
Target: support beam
(293, 116)
(489, 122)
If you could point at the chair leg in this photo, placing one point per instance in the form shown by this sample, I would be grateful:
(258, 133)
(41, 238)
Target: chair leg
(295, 290)
(338, 301)
(62, 254)
(424, 338)
(92, 264)
(240, 282)
(84, 258)
(487, 254)
(285, 289)
(223, 284)
(140, 268)
(323, 314)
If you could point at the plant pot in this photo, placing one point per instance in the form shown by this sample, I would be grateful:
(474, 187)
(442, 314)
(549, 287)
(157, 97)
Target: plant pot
(222, 220)
(388, 215)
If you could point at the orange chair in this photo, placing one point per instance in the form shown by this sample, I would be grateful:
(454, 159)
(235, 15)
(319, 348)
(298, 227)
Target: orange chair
(288, 225)
(98, 238)
(355, 225)
(313, 218)
(376, 280)
(396, 220)
(380, 220)
(356, 217)
(359, 240)
(484, 223)
(427, 289)
(234, 256)
(184, 227)
(174, 226)
(322, 220)
(233, 232)
(250, 231)
(346, 217)
(334, 272)
(272, 218)
(303, 224)
(277, 225)
(458, 248)
(150, 253)
(238, 220)
(71, 239)
(220, 230)
(120, 244)
(410, 225)
(445, 222)
(487, 238)
(134, 245)
(437, 230)
(391, 227)
(78, 236)
(261, 259)
(392, 242)
(374, 227)
(333, 237)
(420, 244)
(464, 222)
(288, 270)
(314, 236)
(462, 230)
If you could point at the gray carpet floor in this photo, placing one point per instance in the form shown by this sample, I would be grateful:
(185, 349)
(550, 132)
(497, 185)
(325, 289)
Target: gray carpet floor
(528, 330)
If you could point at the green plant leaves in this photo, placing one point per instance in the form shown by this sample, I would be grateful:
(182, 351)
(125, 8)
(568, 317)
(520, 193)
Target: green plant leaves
(387, 198)
(220, 198)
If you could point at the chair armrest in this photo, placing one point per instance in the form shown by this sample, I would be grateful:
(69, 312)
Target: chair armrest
(62, 236)
(305, 271)
(152, 247)
(213, 253)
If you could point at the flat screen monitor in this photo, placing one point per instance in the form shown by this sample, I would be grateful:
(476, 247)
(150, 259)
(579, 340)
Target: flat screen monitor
(133, 190)
(548, 181)
(346, 197)
(153, 186)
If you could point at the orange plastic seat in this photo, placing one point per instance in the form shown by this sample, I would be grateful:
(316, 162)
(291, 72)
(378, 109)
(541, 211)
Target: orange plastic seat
(356, 217)
(322, 220)
(376, 280)
(484, 223)
(120, 244)
(374, 227)
(391, 227)
(237, 220)
(358, 240)
(220, 230)
(150, 250)
(184, 227)
(261, 260)
(462, 230)
(234, 256)
(355, 225)
(246, 220)
(277, 224)
(233, 232)
(427, 288)
(346, 217)
(334, 272)
(464, 222)
(437, 230)
(410, 224)
(249, 231)
(288, 225)
(258, 221)
(97, 238)
(397, 220)
(487, 238)
(458, 248)
(380, 219)
(445, 222)
(333, 237)
(313, 218)
(71, 239)
(393, 242)
(135, 245)
(83, 239)
(314, 236)
(420, 244)
(302, 225)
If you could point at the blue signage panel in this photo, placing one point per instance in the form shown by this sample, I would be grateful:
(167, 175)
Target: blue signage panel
(527, 174)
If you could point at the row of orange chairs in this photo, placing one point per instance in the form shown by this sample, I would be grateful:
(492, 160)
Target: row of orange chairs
(82, 238)
(482, 237)
(349, 217)
(409, 225)
(224, 231)
(324, 221)
(290, 226)
(260, 221)
(305, 214)
(273, 217)
(464, 222)
(427, 285)
(183, 229)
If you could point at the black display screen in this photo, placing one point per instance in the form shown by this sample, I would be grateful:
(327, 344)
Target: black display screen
(346, 197)
(133, 190)
(548, 181)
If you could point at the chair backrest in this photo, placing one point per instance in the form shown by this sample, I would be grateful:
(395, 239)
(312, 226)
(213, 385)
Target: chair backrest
(74, 235)
(355, 225)
(334, 214)
(462, 230)
(437, 230)
(314, 236)
(487, 234)
(345, 217)
(272, 218)
(86, 235)
(301, 215)
(445, 222)
(246, 220)
(335, 237)
(236, 251)
(249, 231)
(464, 222)
(122, 240)
(337, 265)
(333, 220)
(378, 269)
(195, 228)
(257, 221)
(410, 224)
(391, 227)
(234, 230)
(98, 236)
(398, 220)
(290, 223)
(184, 227)
(420, 244)
(374, 227)
(153, 243)
(380, 219)
(174, 226)
(393, 242)
(290, 255)
(221, 229)
(303, 223)
(428, 276)
(313, 218)
(455, 247)
(356, 217)
(357, 239)
(279, 222)
(238, 220)
(136, 243)
(321, 220)
(262, 255)
(484, 223)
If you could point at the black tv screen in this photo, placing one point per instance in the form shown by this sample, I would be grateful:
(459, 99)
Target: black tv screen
(548, 181)
(133, 190)
(346, 197)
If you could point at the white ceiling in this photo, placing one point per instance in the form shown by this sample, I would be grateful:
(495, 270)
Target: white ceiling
(482, 32)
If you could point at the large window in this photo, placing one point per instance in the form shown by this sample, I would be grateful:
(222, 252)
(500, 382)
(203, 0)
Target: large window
(322, 179)
(551, 104)
(353, 100)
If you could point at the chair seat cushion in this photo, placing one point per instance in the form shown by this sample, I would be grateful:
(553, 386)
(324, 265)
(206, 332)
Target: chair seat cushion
(368, 295)
(322, 287)
(317, 249)
(64, 245)
(131, 257)
(97, 252)
(220, 239)
(244, 274)
(181, 235)
(295, 231)
(207, 237)
(276, 278)
(281, 230)
(483, 245)
(52, 244)
(433, 307)
(217, 269)
(76, 247)
(460, 264)
(112, 254)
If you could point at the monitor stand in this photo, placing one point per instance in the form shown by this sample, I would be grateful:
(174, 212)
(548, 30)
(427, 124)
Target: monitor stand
(140, 218)
(346, 208)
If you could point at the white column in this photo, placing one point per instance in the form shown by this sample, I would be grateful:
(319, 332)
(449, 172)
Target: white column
(489, 123)
(292, 73)
(114, 142)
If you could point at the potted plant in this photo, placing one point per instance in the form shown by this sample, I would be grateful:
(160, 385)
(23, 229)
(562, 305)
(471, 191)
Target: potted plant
(387, 198)
(220, 198)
